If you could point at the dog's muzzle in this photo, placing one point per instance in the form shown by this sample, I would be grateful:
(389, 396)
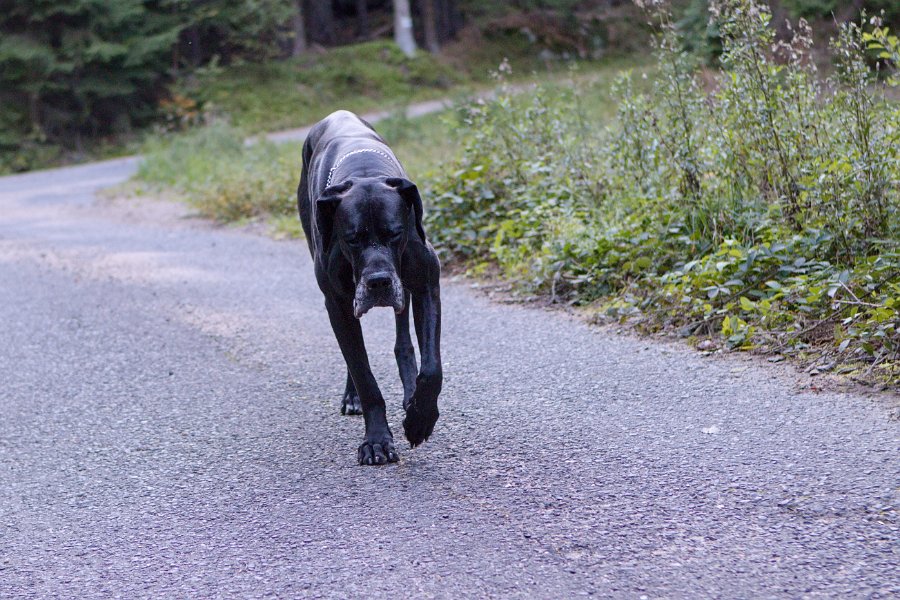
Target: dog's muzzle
(378, 289)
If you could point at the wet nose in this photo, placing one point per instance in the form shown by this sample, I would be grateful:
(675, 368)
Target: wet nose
(378, 281)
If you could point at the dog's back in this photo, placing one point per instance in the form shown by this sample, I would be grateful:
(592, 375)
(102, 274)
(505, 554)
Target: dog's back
(340, 132)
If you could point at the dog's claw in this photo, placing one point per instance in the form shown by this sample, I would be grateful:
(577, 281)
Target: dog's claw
(419, 424)
(350, 405)
(377, 453)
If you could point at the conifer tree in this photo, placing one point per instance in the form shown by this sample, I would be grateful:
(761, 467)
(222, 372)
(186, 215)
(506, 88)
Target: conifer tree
(84, 67)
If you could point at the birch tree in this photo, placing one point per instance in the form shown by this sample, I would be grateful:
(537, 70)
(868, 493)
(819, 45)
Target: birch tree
(403, 27)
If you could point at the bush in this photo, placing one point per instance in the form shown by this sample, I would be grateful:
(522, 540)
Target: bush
(701, 35)
(763, 207)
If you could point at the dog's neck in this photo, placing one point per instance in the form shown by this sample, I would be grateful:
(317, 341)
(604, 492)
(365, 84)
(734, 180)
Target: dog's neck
(343, 157)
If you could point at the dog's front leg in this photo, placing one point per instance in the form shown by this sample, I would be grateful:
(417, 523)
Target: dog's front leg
(378, 446)
(403, 351)
(422, 409)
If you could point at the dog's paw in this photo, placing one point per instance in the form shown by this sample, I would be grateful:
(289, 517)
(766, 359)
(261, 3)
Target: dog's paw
(377, 453)
(350, 405)
(419, 422)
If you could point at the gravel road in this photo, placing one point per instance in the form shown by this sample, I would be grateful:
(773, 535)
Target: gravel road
(170, 429)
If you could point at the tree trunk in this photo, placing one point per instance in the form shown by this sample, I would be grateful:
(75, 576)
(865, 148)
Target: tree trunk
(34, 111)
(193, 40)
(450, 19)
(362, 19)
(300, 44)
(429, 20)
(403, 31)
(321, 22)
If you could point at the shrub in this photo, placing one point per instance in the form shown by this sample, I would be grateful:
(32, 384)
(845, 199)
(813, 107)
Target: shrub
(763, 206)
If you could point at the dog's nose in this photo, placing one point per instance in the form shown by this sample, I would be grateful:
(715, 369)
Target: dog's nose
(379, 281)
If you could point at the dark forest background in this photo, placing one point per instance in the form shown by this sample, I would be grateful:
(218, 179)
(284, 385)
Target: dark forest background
(76, 71)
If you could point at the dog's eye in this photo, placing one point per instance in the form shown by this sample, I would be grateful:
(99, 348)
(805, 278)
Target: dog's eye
(351, 240)
(396, 235)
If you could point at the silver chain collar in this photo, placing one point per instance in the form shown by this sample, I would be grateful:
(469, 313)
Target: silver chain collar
(342, 158)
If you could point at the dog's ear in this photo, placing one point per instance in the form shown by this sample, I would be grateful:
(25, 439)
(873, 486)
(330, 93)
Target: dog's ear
(326, 206)
(409, 192)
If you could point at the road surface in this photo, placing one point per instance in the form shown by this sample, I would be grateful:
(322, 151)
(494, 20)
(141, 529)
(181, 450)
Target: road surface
(170, 429)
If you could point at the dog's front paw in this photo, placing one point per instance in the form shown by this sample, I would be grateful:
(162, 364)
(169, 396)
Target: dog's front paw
(419, 421)
(377, 452)
(350, 404)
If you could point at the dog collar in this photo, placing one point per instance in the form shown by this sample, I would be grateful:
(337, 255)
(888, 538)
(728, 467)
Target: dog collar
(351, 153)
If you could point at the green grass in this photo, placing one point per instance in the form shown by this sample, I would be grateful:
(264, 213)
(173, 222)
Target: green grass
(220, 176)
(360, 78)
(290, 93)
(228, 181)
(212, 169)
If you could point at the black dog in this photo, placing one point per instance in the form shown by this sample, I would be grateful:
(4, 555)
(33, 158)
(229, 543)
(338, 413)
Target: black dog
(363, 222)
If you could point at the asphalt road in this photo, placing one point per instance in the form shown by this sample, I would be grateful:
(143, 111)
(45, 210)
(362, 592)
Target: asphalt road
(170, 429)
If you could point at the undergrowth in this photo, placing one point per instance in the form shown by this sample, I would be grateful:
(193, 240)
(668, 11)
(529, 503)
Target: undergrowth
(222, 177)
(755, 205)
(758, 204)
(258, 97)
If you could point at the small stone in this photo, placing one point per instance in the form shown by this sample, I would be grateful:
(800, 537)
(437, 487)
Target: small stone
(706, 345)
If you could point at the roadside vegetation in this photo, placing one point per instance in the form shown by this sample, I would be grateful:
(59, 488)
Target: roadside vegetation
(757, 206)
(257, 97)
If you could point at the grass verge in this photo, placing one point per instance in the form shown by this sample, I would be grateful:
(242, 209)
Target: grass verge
(291, 93)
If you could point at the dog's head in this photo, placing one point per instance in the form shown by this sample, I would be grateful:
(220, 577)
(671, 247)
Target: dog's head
(370, 220)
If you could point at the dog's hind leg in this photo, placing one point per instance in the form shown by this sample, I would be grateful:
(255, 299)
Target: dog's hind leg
(350, 404)
(378, 446)
(406, 355)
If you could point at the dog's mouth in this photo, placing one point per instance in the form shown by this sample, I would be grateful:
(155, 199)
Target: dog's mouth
(367, 298)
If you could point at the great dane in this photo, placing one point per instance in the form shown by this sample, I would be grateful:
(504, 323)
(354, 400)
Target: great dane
(363, 223)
